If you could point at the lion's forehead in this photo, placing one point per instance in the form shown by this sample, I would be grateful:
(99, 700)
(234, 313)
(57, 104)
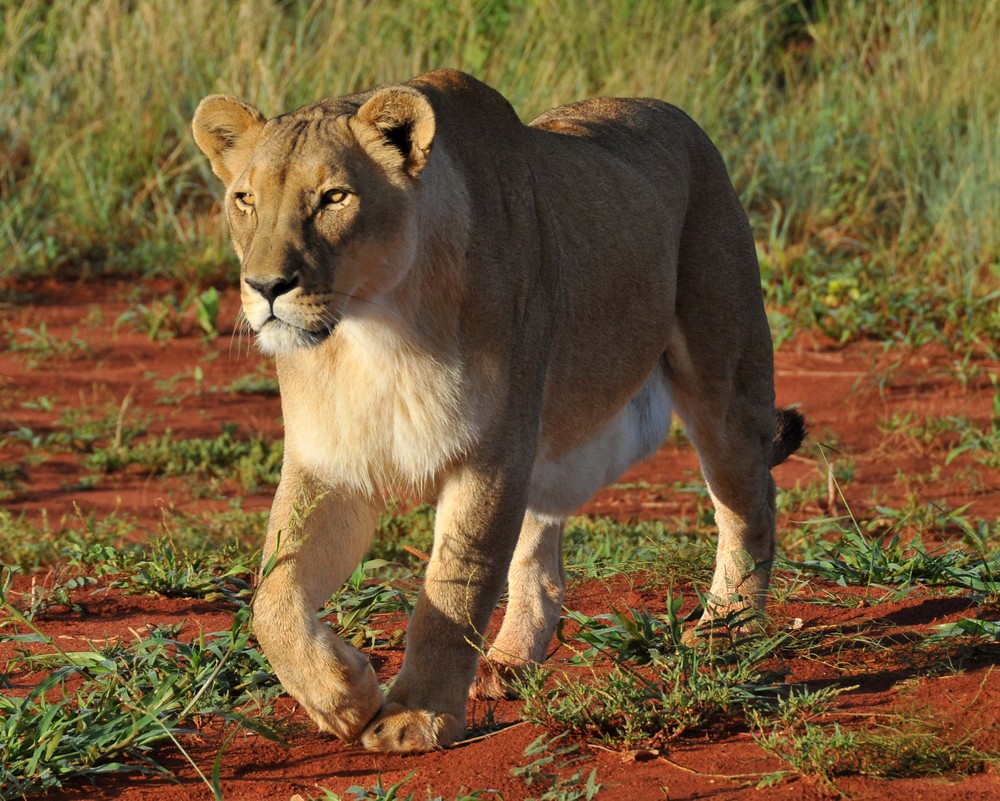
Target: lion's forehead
(308, 144)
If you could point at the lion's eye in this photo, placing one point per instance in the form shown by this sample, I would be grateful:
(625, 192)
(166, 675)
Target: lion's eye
(334, 198)
(244, 200)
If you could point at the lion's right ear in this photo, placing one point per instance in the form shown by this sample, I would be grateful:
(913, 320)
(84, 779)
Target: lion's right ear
(226, 130)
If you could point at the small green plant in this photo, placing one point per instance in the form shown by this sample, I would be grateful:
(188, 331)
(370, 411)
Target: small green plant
(253, 384)
(404, 538)
(158, 320)
(973, 628)
(12, 480)
(206, 308)
(983, 444)
(358, 603)
(40, 344)
(668, 690)
(547, 772)
(599, 546)
(253, 462)
(209, 572)
(893, 562)
(44, 594)
(629, 635)
(899, 747)
(168, 316)
(379, 792)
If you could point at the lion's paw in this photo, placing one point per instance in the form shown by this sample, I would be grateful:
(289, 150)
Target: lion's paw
(345, 708)
(406, 731)
(496, 680)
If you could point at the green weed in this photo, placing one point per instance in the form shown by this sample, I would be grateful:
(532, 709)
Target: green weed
(125, 701)
(379, 792)
(79, 429)
(40, 344)
(253, 384)
(629, 635)
(253, 462)
(12, 480)
(658, 689)
(899, 747)
(983, 444)
(209, 572)
(894, 562)
(974, 628)
(45, 594)
(547, 772)
(359, 603)
(597, 546)
(404, 538)
(170, 316)
(29, 545)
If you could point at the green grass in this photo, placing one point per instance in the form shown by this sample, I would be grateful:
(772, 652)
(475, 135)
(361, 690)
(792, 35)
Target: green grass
(658, 688)
(166, 317)
(124, 701)
(81, 429)
(379, 792)
(633, 681)
(253, 462)
(895, 747)
(885, 562)
(551, 758)
(29, 544)
(40, 345)
(861, 136)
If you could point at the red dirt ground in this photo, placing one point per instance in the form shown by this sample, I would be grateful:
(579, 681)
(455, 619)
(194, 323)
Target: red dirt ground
(847, 394)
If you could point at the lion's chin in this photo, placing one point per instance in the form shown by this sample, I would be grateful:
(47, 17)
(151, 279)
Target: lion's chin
(277, 337)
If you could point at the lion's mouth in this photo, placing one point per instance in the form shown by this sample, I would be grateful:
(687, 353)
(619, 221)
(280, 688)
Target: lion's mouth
(280, 336)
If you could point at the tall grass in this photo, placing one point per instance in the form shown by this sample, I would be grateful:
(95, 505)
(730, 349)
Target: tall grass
(862, 136)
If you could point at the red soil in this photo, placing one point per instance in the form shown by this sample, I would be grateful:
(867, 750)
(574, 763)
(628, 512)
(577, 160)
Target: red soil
(847, 395)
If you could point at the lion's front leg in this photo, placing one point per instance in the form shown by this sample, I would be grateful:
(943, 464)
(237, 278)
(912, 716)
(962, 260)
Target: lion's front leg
(478, 520)
(315, 539)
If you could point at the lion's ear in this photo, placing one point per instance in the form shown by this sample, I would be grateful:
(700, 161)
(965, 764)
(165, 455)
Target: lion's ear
(226, 130)
(396, 127)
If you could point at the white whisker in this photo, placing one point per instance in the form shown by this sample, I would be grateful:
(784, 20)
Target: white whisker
(241, 329)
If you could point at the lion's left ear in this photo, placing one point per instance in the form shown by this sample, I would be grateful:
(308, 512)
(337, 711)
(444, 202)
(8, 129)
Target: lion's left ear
(396, 126)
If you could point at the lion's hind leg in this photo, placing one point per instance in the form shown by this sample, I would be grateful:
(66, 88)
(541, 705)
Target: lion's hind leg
(728, 413)
(536, 586)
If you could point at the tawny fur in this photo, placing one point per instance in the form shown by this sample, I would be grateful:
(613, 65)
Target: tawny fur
(500, 318)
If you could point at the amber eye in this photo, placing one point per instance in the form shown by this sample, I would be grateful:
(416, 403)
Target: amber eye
(244, 200)
(334, 197)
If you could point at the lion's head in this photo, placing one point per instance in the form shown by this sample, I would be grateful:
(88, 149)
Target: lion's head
(320, 203)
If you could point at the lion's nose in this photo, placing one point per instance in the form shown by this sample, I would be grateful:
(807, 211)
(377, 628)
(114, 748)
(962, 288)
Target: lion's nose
(271, 289)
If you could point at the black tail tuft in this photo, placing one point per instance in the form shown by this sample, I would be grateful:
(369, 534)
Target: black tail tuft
(788, 436)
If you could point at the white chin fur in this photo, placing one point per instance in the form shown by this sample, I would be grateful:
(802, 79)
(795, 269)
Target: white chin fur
(277, 337)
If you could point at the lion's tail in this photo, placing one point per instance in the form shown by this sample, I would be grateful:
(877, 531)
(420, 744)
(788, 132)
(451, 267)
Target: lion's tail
(788, 435)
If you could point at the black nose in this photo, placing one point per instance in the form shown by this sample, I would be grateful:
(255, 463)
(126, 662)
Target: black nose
(271, 289)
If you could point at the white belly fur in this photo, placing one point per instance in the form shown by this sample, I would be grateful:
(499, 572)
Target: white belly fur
(562, 485)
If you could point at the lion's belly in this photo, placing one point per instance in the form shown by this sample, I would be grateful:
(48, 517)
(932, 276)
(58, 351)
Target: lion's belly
(561, 484)
(373, 420)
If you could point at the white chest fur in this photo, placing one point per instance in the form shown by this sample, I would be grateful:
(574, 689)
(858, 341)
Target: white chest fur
(371, 412)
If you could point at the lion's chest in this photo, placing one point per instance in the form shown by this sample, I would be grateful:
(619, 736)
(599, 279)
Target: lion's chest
(371, 413)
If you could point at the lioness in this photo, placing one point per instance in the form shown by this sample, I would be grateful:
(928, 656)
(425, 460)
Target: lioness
(500, 317)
